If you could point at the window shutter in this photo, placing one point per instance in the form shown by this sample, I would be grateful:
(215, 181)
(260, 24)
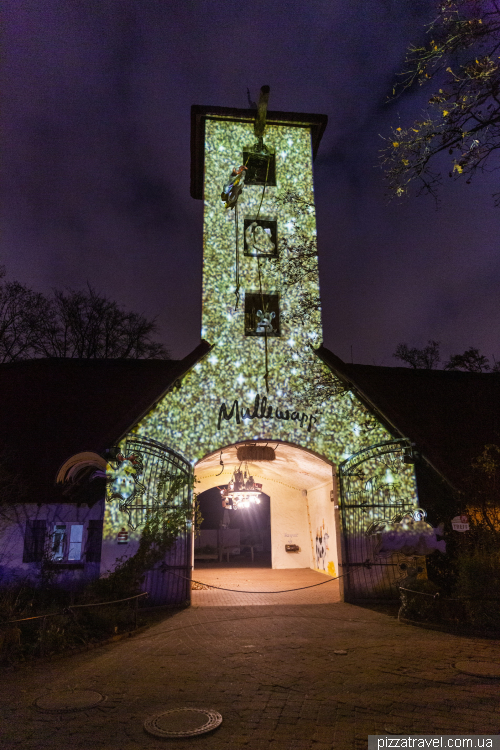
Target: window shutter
(94, 542)
(34, 541)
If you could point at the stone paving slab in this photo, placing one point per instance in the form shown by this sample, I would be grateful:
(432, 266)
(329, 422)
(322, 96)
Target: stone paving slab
(272, 673)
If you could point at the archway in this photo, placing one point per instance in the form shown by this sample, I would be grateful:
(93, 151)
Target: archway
(303, 507)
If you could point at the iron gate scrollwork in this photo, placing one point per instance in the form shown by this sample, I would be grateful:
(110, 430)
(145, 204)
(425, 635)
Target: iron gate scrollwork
(146, 477)
(377, 486)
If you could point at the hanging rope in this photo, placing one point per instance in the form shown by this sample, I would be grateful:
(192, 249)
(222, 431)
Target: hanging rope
(265, 185)
(266, 356)
(237, 278)
(266, 353)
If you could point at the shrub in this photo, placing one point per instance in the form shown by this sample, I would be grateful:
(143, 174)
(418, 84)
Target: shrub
(478, 585)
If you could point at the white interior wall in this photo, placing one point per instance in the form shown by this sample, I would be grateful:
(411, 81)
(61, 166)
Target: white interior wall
(323, 523)
(288, 526)
(293, 480)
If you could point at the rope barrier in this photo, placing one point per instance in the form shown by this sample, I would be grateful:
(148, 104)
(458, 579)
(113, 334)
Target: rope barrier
(70, 607)
(239, 591)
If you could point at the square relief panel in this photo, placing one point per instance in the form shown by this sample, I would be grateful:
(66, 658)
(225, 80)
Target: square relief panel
(261, 239)
(262, 314)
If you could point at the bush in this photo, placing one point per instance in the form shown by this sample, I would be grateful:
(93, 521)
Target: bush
(478, 584)
(419, 603)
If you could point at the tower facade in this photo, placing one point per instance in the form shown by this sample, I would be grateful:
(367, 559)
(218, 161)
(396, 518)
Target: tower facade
(250, 385)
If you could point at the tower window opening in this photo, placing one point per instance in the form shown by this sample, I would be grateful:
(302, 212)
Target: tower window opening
(262, 314)
(257, 168)
(261, 239)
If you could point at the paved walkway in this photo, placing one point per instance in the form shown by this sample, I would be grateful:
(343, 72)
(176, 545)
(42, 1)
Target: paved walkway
(273, 673)
(257, 579)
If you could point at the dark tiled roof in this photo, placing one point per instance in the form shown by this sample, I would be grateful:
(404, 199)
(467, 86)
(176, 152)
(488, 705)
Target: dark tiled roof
(450, 416)
(200, 113)
(51, 409)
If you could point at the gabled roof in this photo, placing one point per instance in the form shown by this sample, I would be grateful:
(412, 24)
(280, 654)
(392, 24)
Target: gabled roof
(450, 415)
(51, 409)
(200, 113)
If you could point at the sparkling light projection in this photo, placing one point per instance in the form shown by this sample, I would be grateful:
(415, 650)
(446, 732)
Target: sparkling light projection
(201, 416)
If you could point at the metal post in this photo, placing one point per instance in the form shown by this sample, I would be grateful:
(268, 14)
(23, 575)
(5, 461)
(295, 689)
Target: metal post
(136, 608)
(42, 636)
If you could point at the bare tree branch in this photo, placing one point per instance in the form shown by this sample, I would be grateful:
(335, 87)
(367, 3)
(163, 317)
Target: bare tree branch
(463, 114)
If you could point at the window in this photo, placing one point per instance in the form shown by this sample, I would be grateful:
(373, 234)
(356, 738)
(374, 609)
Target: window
(262, 314)
(260, 237)
(34, 541)
(67, 542)
(257, 168)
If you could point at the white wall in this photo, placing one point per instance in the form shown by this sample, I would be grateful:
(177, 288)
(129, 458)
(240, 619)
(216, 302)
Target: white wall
(324, 531)
(288, 526)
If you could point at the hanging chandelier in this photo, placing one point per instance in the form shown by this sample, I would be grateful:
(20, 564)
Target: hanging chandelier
(241, 490)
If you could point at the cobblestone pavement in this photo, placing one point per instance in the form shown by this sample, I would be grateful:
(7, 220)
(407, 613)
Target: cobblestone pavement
(272, 672)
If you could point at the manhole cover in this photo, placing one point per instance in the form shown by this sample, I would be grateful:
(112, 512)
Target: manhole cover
(69, 700)
(183, 722)
(479, 668)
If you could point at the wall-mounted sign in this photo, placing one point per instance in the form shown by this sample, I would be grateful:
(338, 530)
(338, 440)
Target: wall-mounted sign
(460, 523)
(262, 411)
(122, 537)
(255, 453)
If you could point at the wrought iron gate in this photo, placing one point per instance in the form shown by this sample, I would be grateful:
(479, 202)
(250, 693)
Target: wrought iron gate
(376, 485)
(162, 476)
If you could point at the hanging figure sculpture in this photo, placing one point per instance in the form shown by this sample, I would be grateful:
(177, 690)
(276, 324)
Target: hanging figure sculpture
(231, 191)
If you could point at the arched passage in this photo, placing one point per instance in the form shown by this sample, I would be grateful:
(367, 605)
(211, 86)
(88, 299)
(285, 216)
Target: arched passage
(302, 494)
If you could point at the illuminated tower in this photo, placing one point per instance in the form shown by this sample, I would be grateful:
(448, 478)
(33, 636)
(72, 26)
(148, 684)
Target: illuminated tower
(249, 386)
(246, 299)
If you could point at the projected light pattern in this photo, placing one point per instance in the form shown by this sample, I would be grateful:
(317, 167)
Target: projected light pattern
(190, 419)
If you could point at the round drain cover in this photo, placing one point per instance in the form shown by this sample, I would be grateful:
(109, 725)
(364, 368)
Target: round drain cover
(69, 700)
(183, 722)
(479, 668)
(396, 730)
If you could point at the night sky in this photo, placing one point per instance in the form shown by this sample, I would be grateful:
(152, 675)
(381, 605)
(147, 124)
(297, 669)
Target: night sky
(96, 162)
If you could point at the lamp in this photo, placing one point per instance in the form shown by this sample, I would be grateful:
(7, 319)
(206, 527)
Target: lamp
(241, 490)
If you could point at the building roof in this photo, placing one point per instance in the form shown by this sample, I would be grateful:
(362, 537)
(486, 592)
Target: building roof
(199, 115)
(449, 415)
(54, 408)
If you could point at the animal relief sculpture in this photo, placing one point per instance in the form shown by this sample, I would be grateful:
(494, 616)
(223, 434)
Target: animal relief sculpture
(264, 324)
(412, 535)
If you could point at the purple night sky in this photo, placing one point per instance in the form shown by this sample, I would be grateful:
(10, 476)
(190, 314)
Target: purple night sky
(96, 155)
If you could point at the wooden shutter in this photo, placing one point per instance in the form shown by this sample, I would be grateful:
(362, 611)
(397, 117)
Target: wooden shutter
(34, 541)
(94, 542)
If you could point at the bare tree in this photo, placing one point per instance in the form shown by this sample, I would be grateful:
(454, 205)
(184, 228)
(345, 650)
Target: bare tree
(471, 360)
(21, 311)
(71, 324)
(426, 358)
(462, 118)
(298, 256)
(86, 325)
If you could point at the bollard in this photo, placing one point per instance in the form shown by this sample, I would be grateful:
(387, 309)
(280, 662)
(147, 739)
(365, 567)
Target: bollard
(42, 636)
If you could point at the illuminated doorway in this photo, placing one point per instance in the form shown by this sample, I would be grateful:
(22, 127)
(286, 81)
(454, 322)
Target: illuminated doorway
(300, 485)
(239, 537)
